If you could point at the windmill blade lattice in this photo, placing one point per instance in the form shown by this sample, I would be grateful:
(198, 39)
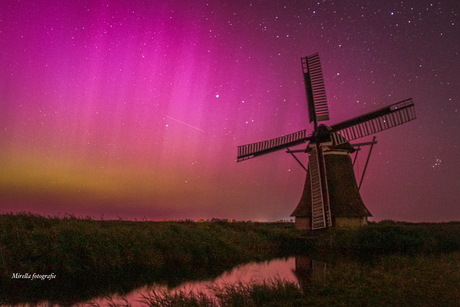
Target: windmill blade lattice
(315, 89)
(376, 121)
(253, 150)
(321, 211)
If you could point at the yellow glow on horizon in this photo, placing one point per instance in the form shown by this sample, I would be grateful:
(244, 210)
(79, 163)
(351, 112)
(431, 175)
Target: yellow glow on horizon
(79, 180)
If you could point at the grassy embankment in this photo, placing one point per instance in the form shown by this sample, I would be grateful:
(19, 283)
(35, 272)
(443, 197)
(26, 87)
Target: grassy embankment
(95, 257)
(69, 245)
(408, 263)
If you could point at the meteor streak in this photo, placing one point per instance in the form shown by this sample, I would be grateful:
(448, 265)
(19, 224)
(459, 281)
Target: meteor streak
(184, 123)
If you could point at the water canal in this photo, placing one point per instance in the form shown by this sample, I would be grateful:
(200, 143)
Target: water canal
(294, 269)
(412, 280)
(289, 269)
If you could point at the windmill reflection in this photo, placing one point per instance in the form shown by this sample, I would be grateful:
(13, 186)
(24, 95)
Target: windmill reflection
(307, 268)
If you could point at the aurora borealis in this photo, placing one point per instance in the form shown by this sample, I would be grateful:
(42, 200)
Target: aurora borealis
(135, 108)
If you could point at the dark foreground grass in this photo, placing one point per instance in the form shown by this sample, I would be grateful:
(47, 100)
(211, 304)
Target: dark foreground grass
(31, 243)
(392, 280)
(70, 245)
(388, 237)
(96, 258)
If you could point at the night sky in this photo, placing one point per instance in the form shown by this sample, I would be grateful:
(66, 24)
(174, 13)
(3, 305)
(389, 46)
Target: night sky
(135, 108)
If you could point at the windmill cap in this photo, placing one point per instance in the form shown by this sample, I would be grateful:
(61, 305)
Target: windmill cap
(325, 134)
(322, 134)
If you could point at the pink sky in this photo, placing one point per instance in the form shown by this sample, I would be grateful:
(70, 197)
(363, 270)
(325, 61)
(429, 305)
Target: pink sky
(135, 109)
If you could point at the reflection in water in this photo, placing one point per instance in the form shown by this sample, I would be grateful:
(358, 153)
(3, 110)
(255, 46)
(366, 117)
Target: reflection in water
(253, 272)
(299, 269)
(306, 268)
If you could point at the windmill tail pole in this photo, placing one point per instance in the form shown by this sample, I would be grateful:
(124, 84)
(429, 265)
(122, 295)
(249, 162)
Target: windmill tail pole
(367, 161)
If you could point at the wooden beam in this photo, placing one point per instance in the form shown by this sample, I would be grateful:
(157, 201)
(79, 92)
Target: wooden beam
(364, 144)
(292, 153)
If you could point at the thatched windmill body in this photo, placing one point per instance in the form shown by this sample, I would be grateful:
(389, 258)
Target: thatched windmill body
(331, 194)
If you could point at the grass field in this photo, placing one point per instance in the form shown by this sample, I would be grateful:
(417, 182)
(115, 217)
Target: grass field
(69, 245)
(393, 263)
(96, 257)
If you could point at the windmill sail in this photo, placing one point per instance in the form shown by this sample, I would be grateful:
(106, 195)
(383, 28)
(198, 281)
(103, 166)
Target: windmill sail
(315, 89)
(253, 150)
(321, 211)
(376, 121)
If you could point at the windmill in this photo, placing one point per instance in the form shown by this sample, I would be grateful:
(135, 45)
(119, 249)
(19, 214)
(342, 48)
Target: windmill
(331, 195)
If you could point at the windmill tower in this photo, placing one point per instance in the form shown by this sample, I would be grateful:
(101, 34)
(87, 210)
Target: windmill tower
(331, 194)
